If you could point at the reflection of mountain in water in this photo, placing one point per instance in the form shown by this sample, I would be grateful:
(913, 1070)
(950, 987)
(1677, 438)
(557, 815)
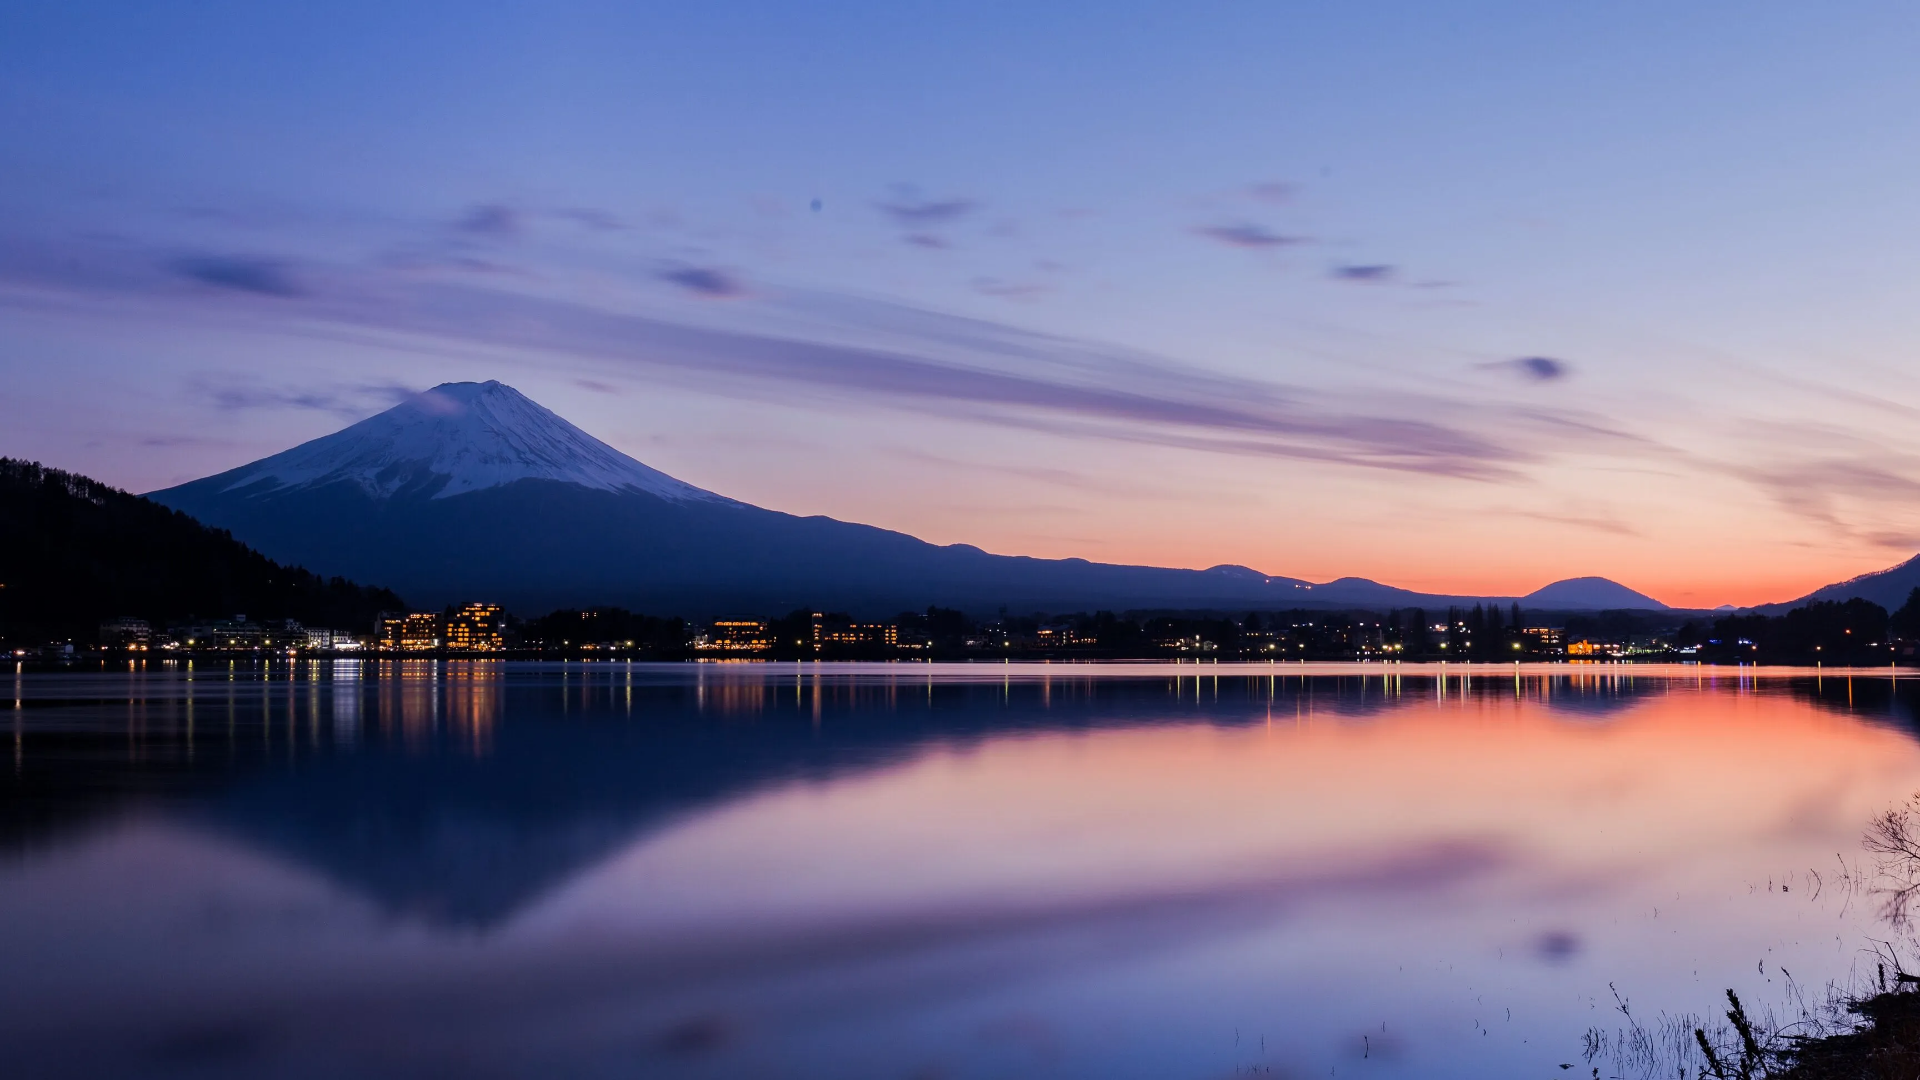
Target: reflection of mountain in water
(459, 793)
(467, 822)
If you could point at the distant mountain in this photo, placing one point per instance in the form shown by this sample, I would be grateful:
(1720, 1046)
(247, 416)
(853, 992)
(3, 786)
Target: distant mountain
(472, 490)
(1571, 594)
(1889, 588)
(1589, 594)
(75, 552)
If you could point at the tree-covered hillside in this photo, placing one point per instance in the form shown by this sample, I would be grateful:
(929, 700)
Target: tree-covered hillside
(74, 552)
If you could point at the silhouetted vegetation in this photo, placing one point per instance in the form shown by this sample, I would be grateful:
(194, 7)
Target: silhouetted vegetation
(637, 635)
(1868, 1031)
(1884, 1044)
(74, 552)
(1829, 632)
(1905, 623)
(1887, 1047)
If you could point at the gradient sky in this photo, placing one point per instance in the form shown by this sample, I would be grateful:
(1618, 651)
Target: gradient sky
(1461, 297)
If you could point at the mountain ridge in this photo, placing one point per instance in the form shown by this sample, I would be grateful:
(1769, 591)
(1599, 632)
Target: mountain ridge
(1889, 588)
(407, 497)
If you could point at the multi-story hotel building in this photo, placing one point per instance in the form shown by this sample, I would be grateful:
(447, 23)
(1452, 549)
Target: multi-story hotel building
(417, 632)
(476, 628)
(739, 635)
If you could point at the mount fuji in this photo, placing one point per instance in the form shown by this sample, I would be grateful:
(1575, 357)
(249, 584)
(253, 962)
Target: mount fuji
(452, 440)
(472, 490)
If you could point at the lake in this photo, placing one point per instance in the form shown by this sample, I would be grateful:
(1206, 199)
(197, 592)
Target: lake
(480, 869)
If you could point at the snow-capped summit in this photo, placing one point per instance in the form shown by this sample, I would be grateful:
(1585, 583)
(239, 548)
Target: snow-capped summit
(454, 439)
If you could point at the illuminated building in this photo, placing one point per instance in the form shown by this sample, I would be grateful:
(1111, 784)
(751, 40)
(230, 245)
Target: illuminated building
(476, 628)
(1594, 648)
(1185, 644)
(859, 634)
(417, 632)
(131, 634)
(835, 632)
(1541, 637)
(738, 635)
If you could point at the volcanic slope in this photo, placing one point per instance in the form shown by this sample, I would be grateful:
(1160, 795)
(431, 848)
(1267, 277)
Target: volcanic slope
(473, 490)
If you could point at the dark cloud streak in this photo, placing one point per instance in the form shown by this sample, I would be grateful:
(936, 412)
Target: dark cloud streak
(589, 218)
(345, 401)
(239, 273)
(1814, 489)
(704, 281)
(934, 364)
(922, 213)
(1274, 192)
(1533, 368)
(1009, 290)
(1375, 272)
(491, 220)
(1246, 235)
(1123, 399)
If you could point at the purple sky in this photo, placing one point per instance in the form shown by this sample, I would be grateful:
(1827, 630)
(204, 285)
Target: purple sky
(1465, 298)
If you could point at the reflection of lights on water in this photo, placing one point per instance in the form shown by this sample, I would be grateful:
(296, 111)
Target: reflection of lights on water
(981, 807)
(473, 702)
(346, 700)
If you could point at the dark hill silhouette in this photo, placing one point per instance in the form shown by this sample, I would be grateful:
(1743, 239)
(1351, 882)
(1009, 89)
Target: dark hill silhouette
(74, 552)
(1889, 588)
(1589, 594)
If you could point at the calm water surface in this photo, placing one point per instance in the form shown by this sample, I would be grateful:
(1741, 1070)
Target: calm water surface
(483, 869)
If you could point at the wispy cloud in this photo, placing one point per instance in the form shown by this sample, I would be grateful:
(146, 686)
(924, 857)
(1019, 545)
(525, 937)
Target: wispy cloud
(922, 220)
(1533, 368)
(1112, 397)
(1894, 540)
(1273, 192)
(171, 441)
(1009, 290)
(1370, 272)
(841, 348)
(920, 213)
(589, 218)
(1610, 525)
(351, 401)
(239, 273)
(1816, 490)
(995, 374)
(490, 220)
(704, 281)
(1065, 478)
(1246, 235)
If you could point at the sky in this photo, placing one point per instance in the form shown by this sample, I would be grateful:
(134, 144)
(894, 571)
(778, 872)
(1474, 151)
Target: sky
(1463, 297)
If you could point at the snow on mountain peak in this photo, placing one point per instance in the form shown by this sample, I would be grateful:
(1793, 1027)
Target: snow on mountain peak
(457, 438)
